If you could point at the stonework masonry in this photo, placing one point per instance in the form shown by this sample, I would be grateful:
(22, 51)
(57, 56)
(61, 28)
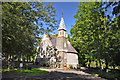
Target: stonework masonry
(57, 51)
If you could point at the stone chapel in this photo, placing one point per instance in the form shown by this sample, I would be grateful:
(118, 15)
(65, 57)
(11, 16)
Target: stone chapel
(57, 51)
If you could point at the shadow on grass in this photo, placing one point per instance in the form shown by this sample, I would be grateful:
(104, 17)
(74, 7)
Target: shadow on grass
(111, 75)
(54, 75)
(32, 71)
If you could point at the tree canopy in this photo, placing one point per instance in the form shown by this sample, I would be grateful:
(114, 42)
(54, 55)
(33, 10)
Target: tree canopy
(94, 37)
(22, 23)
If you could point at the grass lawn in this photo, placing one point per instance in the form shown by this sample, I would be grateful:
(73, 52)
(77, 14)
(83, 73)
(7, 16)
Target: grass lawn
(33, 71)
(109, 75)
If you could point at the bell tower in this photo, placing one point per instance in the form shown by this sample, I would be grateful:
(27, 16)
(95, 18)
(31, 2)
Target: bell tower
(61, 43)
(62, 37)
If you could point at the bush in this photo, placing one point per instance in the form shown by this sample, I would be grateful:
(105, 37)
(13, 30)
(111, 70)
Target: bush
(46, 64)
(78, 66)
(70, 67)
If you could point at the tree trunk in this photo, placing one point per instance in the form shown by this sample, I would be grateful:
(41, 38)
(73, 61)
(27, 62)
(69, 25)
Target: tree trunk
(89, 62)
(27, 58)
(35, 58)
(84, 64)
(114, 66)
(100, 66)
(18, 59)
(106, 63)
(8, 61)
(100, 63)
(96, 64)
(21, 57)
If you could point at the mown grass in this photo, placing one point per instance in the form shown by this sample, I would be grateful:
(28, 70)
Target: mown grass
(112, 74)
(93, 64)
(107, 75)
(33, 71)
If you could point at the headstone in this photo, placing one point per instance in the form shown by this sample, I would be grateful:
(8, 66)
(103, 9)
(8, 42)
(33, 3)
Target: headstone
(21, 65)
(106, 70)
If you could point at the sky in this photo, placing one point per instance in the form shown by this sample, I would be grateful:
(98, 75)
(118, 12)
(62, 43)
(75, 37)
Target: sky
(69, 10)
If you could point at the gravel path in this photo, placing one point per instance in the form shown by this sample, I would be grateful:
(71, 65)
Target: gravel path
(55, 74)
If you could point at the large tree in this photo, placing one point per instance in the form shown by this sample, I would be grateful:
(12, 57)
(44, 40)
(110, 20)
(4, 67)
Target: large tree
(114, 32)
(22, 23)
(94, 37)
(88, 31)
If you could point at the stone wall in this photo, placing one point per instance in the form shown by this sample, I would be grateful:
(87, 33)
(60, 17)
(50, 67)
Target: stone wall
(72, 59)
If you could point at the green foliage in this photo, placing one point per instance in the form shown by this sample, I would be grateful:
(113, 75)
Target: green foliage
(46, 64)
(79, 66)
(85, 31)
(39, 40)
(22, 23)
(55, 35)
(108, 75)
(114, 33)
(70, 67)
(93, 37)
(33, 71)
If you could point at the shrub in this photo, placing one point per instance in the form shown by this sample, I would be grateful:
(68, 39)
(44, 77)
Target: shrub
(70, 67)
(78, 66)
(47, 65)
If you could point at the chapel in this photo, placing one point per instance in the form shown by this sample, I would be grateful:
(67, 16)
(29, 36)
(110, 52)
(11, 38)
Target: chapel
(57, 51)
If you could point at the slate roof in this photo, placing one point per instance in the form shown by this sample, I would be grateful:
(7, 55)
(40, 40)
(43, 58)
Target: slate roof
(53, 39)
(71, 48)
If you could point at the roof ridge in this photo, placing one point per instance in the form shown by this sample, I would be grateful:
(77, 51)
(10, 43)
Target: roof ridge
(50, 35)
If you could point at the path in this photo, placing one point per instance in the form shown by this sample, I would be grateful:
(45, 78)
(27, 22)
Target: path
(71, 75)
(56, 74)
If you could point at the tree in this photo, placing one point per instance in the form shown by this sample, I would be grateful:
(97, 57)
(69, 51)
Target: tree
(115, 10)
(20, 26)
(114, 31)
(94, 36)
(88, 31)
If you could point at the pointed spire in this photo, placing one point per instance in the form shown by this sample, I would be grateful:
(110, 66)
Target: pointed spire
(62, 24)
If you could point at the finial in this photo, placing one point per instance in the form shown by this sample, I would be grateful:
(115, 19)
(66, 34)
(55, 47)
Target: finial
(62, 12)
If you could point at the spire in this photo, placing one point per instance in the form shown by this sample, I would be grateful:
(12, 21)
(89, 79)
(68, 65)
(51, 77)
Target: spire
(62, 13)
(62, 24)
